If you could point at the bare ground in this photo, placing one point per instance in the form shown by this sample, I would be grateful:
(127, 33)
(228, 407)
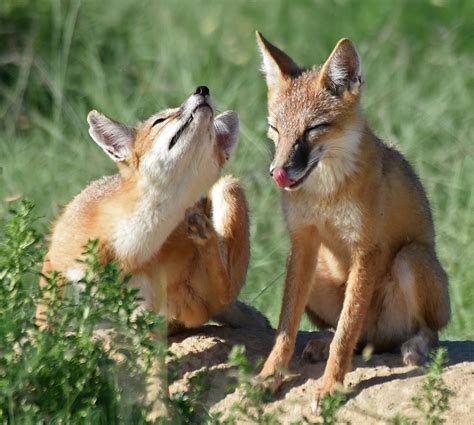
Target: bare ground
(379, 388)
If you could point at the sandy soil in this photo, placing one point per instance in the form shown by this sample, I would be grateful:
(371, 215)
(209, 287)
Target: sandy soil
(380, 387)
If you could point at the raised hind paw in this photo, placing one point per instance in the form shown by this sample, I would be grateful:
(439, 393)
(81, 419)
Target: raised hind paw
(317, 350)
(199, 227)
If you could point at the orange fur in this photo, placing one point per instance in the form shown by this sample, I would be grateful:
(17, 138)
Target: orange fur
(363, 258)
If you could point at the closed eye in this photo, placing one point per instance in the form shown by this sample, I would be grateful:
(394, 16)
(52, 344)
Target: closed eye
(322, 126)
(157, 121)
(273, 128)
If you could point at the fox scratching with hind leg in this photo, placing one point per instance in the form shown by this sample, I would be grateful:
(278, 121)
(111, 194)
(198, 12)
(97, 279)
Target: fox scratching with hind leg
(166, 164)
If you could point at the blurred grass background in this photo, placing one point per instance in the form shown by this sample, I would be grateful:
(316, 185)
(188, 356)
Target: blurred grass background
(59, 59)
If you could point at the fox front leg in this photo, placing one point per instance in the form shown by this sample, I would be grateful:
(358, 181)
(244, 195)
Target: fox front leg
(300, 274)
(360, 286)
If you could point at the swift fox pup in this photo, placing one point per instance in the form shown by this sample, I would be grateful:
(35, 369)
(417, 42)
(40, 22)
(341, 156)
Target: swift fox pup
(165, 165)
(362, 258)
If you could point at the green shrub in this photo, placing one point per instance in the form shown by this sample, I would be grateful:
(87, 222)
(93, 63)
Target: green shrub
(93, 360)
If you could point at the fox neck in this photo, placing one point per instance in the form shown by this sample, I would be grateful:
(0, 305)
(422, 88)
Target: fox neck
(159, 208)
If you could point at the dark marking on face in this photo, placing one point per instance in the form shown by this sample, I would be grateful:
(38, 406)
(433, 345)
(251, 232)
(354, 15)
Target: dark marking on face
(299, 157)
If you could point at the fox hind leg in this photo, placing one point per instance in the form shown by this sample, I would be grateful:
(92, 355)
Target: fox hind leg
(230, 221)
(229, 215)
(417, 305)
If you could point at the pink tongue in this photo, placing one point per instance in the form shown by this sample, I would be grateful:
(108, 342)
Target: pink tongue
(281, 178)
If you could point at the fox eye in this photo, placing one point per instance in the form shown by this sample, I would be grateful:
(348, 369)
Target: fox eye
(273, 128)
(322, 126)
(158, 121)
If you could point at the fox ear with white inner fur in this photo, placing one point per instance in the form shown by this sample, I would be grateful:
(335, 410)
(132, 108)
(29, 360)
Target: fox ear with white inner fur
(227, 132)
(277, 65)
(113, 137)
(343, 71)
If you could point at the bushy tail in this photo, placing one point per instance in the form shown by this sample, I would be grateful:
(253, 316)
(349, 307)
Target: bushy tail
(241, 315)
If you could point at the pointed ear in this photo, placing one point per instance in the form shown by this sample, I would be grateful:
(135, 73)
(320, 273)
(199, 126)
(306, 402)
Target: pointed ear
(227, 132)
(277, 65)
(343, 70)
(114, 138)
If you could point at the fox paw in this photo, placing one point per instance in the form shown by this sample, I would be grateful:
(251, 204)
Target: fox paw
(317, 350)
(329, 388)
(199, 227)
(270, 382)
(415, 351)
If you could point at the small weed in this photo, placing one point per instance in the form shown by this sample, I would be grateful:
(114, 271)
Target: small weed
(251, 404)
(187, 406)
(434, 398)
(329, 407)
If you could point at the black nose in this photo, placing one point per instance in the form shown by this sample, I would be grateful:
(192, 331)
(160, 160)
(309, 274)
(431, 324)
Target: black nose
(202, 90)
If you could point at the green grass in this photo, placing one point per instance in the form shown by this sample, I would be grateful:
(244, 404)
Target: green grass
(59, 59)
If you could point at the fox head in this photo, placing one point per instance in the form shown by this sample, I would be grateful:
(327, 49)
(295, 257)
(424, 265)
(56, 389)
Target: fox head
(183, 146)
(314, 117)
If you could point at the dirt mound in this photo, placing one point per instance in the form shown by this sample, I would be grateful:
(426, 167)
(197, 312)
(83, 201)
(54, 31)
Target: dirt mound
(381, 387)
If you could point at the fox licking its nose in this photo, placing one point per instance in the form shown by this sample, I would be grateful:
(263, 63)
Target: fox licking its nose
(363, 260)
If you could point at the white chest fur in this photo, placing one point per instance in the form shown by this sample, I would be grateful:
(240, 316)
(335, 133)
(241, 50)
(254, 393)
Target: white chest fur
(140, 235)
(343, 217)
